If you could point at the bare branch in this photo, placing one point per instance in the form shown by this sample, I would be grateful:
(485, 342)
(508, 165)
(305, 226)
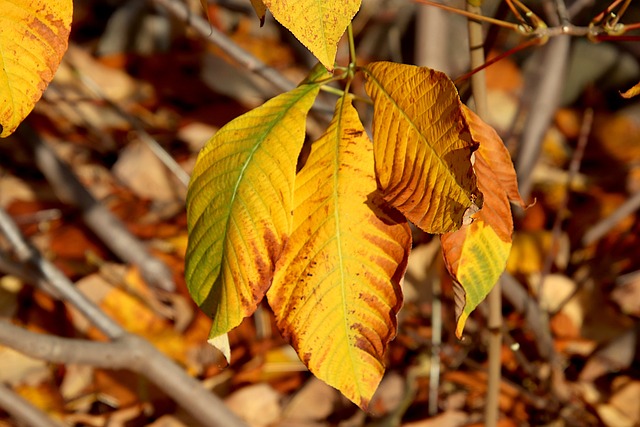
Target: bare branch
(210, 33)
(23, 411)
(128, 352)
(143, 357)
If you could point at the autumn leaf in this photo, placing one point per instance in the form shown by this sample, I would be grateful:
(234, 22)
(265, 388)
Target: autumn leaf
(33, 38)
(239, 207)
(634, 91)
(336, 291)
(422, 145)
(476, 255)
(318, 24)
(261, 10)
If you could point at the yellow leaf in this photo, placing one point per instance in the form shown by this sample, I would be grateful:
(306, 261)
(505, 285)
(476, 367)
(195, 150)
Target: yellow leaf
(239, 207)
(634, 91)
(422, 145)
(336, 292)
(33, 38)
(261, 10)
(476, 255)
(318, 24)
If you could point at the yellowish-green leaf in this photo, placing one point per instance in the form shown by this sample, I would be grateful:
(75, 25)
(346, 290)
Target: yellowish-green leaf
(34, 36)
(634, 91)
(318, 24)
(261, 10)
(239, 207)
(476, 255)
(336, 291)
(422, 145)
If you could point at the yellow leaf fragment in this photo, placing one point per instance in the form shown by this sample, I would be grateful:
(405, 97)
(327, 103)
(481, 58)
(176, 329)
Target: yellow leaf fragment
(239, 207)
(318, 24)
(422, 145)
(477, 254)
(261, 10)
(336, 290)
(634, 91)
(33, 38)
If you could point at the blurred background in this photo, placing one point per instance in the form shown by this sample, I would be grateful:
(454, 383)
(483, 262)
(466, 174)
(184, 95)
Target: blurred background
(141, 90)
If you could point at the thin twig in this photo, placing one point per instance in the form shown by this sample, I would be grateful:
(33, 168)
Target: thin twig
(574, 167)
(98, 218)
(63, 287)
(545, 83)
(151, 142)
(601, 228)
(180, 10)
(494, 299)
(23, 411)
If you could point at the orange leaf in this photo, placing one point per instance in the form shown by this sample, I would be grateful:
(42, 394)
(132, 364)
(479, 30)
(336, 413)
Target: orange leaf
(495, 154)
(634, 91)
(476, 255)
(422, 145)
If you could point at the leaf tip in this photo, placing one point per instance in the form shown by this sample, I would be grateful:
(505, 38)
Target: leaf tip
(460, 324)
(221, 342)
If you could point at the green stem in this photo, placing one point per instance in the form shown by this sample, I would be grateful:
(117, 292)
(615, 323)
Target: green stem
(352, 48)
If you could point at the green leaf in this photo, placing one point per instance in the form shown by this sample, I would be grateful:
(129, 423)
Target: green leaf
(239, 207)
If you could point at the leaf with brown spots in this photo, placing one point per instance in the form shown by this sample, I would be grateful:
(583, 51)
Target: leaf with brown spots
(34, 36)
(336, 291)
(239, 207)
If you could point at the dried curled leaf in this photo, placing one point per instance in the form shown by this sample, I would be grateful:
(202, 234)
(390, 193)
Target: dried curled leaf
(476, 255)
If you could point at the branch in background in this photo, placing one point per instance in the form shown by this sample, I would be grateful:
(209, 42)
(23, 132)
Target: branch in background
(147, 360)
(23, 411)
(99, 219)
(181, 10)
(494, 299)
(600, 229)
(545, 83)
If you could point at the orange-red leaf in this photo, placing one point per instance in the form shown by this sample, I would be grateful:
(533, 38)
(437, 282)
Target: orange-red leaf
(476, 255)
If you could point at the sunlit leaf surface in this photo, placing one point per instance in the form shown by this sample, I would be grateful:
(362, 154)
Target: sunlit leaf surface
(239, 207)
(336, 290)
(422, 145)
(33, 38)
(318, 24)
